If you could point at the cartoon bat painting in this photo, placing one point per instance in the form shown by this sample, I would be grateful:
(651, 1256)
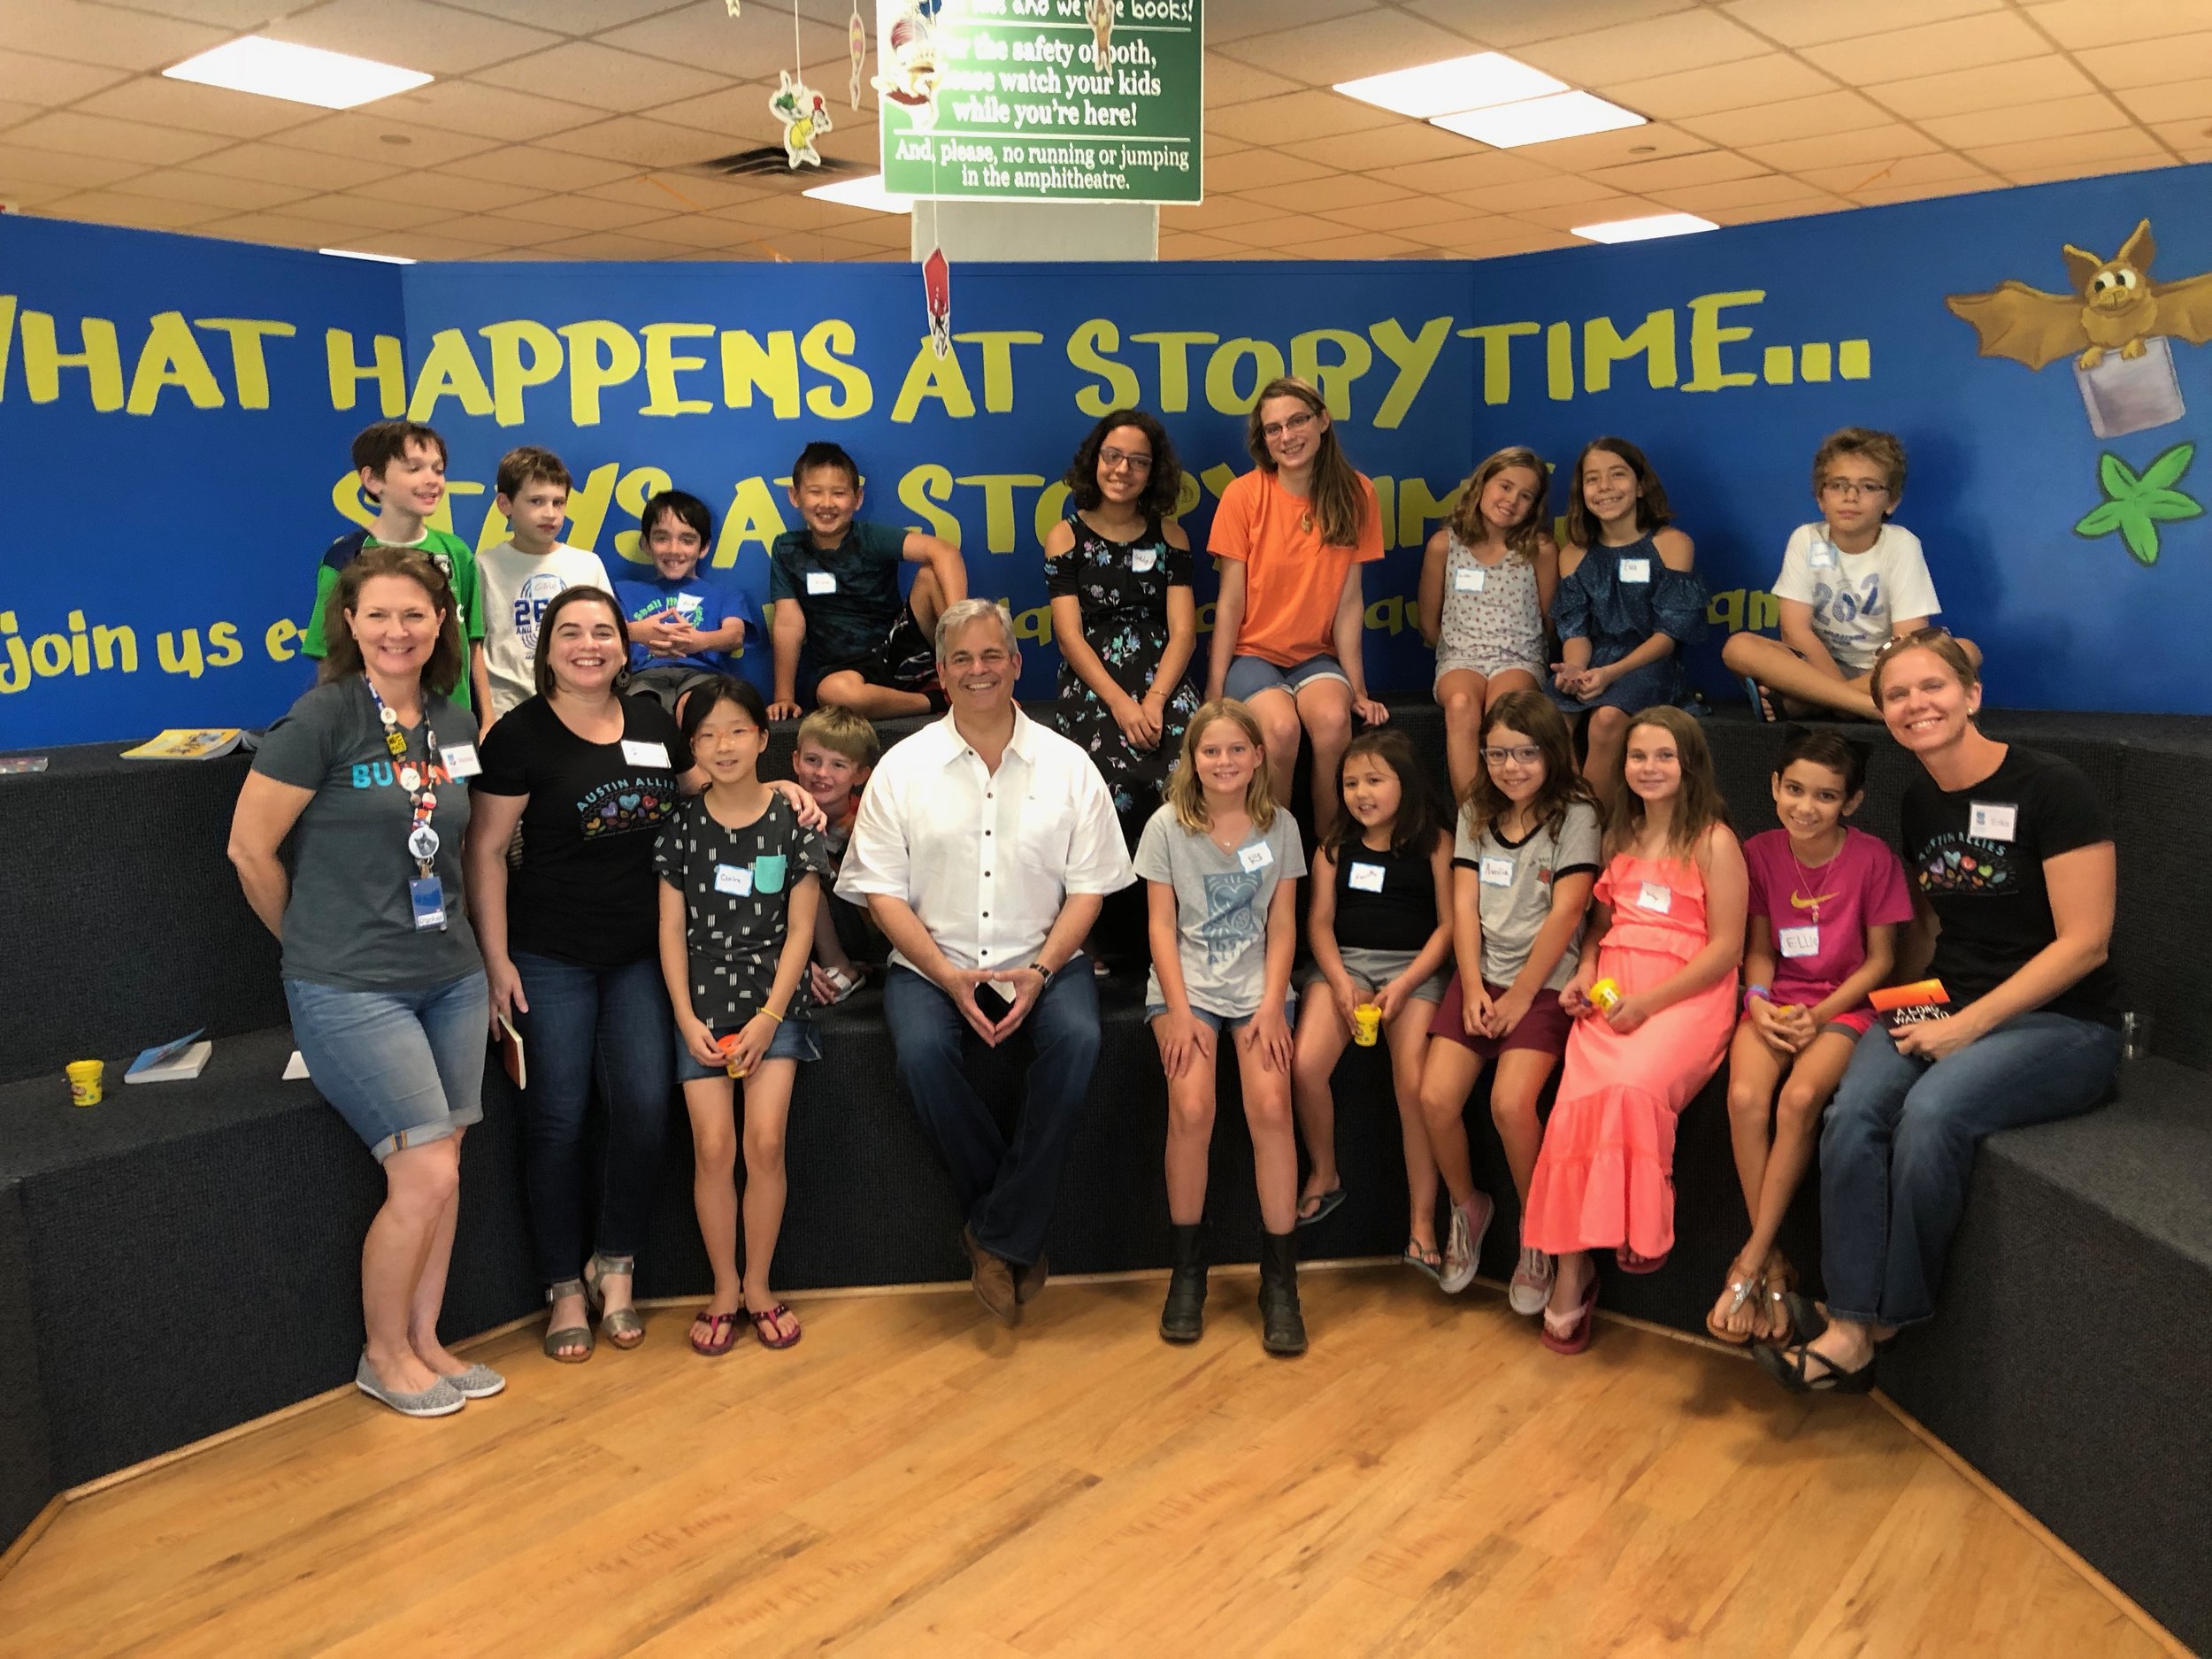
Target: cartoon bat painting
(2117, 307)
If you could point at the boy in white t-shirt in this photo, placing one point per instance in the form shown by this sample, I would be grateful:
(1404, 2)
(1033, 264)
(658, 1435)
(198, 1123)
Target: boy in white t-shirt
(1849, 584)
(519, 577)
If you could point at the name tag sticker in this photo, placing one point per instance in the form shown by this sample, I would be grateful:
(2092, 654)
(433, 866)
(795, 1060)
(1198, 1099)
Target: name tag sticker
(820, 582)
(1653, 897)
(426, 897)
(734, 880)
(1142, 560)
(1799, 941)
(1822, 558)
(1497, 870)
(1468, 580)
(460, 760)
(1256, 858)
(1367, 878)
(1635, 570)
(1992, 820)
(645, 754)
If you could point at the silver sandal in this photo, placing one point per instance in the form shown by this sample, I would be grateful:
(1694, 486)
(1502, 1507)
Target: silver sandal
(623, 1327)
(570, 1335)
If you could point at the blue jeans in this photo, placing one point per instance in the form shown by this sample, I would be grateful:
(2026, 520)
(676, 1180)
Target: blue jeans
(401, 1067)
(606, 1025)
(1897, 1150)
(1007, 1190)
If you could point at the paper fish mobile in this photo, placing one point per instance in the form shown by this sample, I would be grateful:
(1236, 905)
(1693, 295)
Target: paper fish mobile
(2115, 307)
(857, 43)
(805, 116)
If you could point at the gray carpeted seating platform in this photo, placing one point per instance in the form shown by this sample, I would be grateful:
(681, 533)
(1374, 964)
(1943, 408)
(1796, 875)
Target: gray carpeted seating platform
(231, 1208)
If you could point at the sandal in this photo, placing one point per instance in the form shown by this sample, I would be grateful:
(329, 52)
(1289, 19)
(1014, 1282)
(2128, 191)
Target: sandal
(1743, 1289)
(1324, 1204)
(568, 1336)
(1791, 1367)
(764, 1326)
(1576, 1336)
(1762, 705)
(625, 1327)
(1780, 1283)
(721, 1331)
(1629, 1262)
(1424, 1258)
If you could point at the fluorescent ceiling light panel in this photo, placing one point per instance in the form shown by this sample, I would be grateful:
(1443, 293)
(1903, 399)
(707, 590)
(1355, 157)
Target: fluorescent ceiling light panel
(866, 193)
(1458, 83)
(1645, 228)
(302, 75)
(380, 258)
(1540, 120)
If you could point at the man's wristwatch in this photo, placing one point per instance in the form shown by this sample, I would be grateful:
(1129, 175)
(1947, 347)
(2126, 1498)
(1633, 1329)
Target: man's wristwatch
(1044, 974)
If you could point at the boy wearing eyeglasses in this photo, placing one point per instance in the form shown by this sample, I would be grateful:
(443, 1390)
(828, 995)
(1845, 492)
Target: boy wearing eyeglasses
(1849, 584)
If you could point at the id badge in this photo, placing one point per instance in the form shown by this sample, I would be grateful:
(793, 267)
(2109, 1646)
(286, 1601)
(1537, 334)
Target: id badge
(1255, 859)
(1653, 897)
(1142, 560)
(1992, 820)
(820, 582)
(460, 760)
(734, 880)
(645, 754)
(1799, 941)
(1636, 570)
(1822, 557)
(426, 896)
(1367, 878)
(1468, 580)
(1496, 870)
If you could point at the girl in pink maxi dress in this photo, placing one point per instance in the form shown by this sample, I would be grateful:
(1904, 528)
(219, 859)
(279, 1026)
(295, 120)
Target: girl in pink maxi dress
(1669, 923)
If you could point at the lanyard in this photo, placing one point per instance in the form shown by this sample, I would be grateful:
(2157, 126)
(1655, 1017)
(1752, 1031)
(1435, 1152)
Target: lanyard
(422, 841)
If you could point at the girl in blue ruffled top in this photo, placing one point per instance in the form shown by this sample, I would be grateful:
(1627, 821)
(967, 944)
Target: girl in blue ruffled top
(1628, 601)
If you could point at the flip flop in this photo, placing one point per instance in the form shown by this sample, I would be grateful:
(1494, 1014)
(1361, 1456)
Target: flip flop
(764, 1326)
(1762, 707)
(1430, 1260)
(721, 1333)
(1576, 1337)
(1629, 1262)
(1325, 1205)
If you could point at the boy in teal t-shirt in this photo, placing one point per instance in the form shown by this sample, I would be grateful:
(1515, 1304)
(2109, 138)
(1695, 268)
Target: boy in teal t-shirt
(402, 464)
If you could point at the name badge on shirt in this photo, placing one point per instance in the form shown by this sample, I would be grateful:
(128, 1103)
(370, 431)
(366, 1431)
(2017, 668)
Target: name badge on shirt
(820, 582)
(1496, 870)
(1822, 558)
(1992, 820)
(1635, 570)
(460, 760)
(1468, 580)
(426, 897)
(1653, 897)
(1367, 878)
(1142, 560)
(645, 754)
(734, 880)
(1255, 859)
(1799, 941)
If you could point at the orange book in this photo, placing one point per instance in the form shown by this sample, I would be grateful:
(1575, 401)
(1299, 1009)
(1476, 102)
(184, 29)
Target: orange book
(1914, 1004)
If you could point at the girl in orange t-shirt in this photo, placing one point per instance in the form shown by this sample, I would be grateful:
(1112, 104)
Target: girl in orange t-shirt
(1290, 537)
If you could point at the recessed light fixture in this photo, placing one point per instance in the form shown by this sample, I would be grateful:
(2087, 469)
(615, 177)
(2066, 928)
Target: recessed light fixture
(380, 258)
(1458, 83)
(1645, 228)
(302, 75)
(1540, 120)
(864, 192)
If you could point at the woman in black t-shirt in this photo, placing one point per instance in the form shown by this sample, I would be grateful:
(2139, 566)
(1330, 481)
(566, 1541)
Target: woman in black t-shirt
(2011, 861)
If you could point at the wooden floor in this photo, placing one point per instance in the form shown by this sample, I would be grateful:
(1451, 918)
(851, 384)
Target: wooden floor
(914, 1481)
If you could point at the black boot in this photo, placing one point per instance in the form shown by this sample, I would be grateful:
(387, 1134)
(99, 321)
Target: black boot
(1282, 1327)
(1184, 1318)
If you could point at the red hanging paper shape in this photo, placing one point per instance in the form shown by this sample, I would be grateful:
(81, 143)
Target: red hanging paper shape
(937, 288)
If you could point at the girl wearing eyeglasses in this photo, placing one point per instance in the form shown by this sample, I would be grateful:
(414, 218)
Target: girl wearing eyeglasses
(1523, 864)
(1291, 535)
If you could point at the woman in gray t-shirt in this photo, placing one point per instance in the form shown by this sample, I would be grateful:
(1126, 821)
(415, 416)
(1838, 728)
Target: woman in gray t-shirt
(381, 969)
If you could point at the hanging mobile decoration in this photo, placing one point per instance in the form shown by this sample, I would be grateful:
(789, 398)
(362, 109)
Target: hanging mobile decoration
(857, 39)
(937, 290)
(733, 6)
(805, 116)
(908, 76)
(1099, 15)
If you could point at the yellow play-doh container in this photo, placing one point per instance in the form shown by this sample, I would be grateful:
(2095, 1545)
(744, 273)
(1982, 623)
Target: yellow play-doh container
(1366, 1025)
(84, 1082)
(726, 1044)
(1605, 996)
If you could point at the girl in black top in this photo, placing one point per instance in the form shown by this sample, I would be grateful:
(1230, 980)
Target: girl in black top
(1380, 927)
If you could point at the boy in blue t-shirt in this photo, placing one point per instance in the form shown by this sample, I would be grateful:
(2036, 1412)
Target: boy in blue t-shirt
(836, 587)
(685, 625)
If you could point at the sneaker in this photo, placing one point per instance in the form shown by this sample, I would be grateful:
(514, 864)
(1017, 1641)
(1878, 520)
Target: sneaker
(1530, 1288)
(1463, 1249)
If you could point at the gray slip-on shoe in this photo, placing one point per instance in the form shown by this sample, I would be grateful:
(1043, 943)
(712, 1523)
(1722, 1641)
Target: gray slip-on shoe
(441, 1399)
(478, 1382)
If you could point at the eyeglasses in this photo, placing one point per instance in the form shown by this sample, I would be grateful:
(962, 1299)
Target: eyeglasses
(1110, 458)
(1282, 428)
(1525, 753)
(1853, 488)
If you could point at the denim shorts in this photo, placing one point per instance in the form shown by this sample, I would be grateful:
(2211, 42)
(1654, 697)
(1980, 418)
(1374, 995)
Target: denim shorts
(401, 1067)
(1219, 1022)
(794, 1040)
(1249, 676)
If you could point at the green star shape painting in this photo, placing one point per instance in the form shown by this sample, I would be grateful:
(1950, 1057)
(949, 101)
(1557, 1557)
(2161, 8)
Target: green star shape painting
(2135, 504)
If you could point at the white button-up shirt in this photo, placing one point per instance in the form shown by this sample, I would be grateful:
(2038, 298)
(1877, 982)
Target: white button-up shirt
(986, 859)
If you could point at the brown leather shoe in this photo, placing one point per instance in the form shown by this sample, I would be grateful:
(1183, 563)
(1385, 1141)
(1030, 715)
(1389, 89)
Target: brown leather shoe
(1030, 1279)
(993, 1276)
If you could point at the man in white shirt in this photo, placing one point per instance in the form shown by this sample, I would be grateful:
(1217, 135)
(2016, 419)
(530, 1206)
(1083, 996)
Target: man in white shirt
(983, 848)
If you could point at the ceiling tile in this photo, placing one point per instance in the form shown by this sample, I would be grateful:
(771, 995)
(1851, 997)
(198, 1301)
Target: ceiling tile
(1229, 81)
(1379, 146)
(1367, 42)
(234, 15)
(1759, 212)
(21, 166)
(420, 244)
(279, 228)
(1469, 172)
(1361, 245)
(603, 77)
(2084, 153)
(2081, 167)
(1297, 115)
(1963, 91)
(678, 192)
(577, 212)
(1882, 195)
(198, 109)
(2078, 24)
(468, 106)
(1495, 238)
(1795, 117)
(787, 212)
(13, 113)
(1251, 168)
(531, 168)
(1235, 20)
(108, 207)
(1740, 85)
(739, 113)
(634, 139)
(1217, 211)
(445, 191)
(1659, 46)
(1771, 186)
(2150, 63)
(570, 17)
(369, 137)
(498, 232)
(2185, 101)
(434, 39)
(1852, 179)
(180, 184)
(109, 140)
(1272, 232)
(363, 213)
(1413, 211)
(880, 230)
(1313, 195)
(23, 197)
(279, 165)
(102, 35)
(748, 48)
(1712, 166)
(2053, 117)
(1506, 23)
(1626, 144)
(1812, 22)
(1533, 193)
(1994, 37)
(51, 80)
(1190, 245)
(1567, 215)
(1875, 143)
